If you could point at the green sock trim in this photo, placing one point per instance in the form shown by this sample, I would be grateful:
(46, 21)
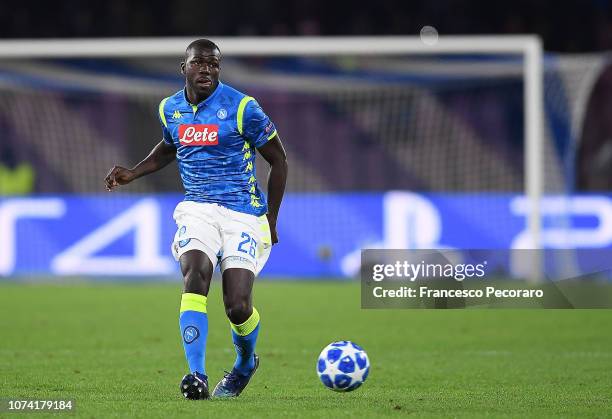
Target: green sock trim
(193, 302)
(248, 326)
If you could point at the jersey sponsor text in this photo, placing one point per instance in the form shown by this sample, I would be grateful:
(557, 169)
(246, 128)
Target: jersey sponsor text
(198, 134)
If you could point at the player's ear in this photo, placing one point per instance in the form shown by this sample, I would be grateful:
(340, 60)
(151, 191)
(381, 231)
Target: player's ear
(183, 67)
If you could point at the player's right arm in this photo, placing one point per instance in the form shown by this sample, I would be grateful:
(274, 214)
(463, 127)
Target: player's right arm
(161, 155)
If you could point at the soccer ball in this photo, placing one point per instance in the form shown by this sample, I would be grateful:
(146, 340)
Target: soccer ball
(343, 366)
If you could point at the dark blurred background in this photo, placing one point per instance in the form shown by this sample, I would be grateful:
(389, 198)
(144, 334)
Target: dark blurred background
(565, 26)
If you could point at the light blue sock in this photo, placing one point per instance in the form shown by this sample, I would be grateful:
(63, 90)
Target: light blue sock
(193, 321)
(244, 337)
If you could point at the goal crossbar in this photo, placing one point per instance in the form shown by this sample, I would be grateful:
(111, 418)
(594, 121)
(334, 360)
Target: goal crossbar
(253, 46)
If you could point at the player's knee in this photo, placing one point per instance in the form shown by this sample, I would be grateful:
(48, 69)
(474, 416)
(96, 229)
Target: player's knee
(195, 280)
(193, 275)
(238, 311)
(197, 272)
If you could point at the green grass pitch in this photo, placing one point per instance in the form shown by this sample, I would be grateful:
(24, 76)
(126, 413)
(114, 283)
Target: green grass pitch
(115, 349)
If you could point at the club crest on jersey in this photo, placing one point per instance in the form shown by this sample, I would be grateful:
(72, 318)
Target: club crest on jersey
(222, 113)
(198, 134)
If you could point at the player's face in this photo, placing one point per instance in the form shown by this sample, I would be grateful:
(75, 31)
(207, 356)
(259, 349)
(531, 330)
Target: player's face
(201, 69)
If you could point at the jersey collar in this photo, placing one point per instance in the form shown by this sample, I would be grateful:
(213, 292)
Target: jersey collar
(206, 101)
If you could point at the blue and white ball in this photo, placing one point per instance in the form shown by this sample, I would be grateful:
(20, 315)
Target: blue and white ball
(343, 366)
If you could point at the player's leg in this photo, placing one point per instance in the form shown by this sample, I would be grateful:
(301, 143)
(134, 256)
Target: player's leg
(197, 270)
(244, 321)
(243, 317)
(195, 246)
(245, 251)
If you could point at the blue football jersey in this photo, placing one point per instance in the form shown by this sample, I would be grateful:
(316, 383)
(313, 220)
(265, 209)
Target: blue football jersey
(216, 142)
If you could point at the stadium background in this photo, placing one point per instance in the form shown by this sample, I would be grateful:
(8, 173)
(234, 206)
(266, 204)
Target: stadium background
(433, 144)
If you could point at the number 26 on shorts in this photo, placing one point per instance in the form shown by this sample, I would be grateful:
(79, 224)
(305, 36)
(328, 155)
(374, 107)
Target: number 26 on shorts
(248, 241)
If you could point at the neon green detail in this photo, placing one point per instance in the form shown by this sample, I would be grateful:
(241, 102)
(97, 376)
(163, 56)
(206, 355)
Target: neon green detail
(18, 180)
(264, 226)
(255, 202)
(272, 135)
(240, 114)
(162, 115)
(193, 302)
(246, 148)
(248, 326)
(176, 114)
(194, 108)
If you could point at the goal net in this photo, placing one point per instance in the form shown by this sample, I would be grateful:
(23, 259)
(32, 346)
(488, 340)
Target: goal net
(479, 117)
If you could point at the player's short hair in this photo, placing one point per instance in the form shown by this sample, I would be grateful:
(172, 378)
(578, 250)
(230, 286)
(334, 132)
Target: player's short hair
(202, 44)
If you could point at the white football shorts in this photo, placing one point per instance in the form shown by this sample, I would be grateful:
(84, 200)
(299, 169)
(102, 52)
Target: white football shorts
(232, 238)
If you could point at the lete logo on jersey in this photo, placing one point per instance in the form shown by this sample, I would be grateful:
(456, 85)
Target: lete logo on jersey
(198, 134)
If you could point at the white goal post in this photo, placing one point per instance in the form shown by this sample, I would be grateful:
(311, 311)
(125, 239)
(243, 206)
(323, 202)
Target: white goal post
(528, 47)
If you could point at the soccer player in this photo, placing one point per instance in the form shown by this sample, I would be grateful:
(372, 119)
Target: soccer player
(213, 130)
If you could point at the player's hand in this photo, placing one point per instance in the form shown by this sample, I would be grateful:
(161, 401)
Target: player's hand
(273, 233)
(118, 176)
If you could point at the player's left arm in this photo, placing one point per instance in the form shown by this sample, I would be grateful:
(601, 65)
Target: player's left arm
(274, 153)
